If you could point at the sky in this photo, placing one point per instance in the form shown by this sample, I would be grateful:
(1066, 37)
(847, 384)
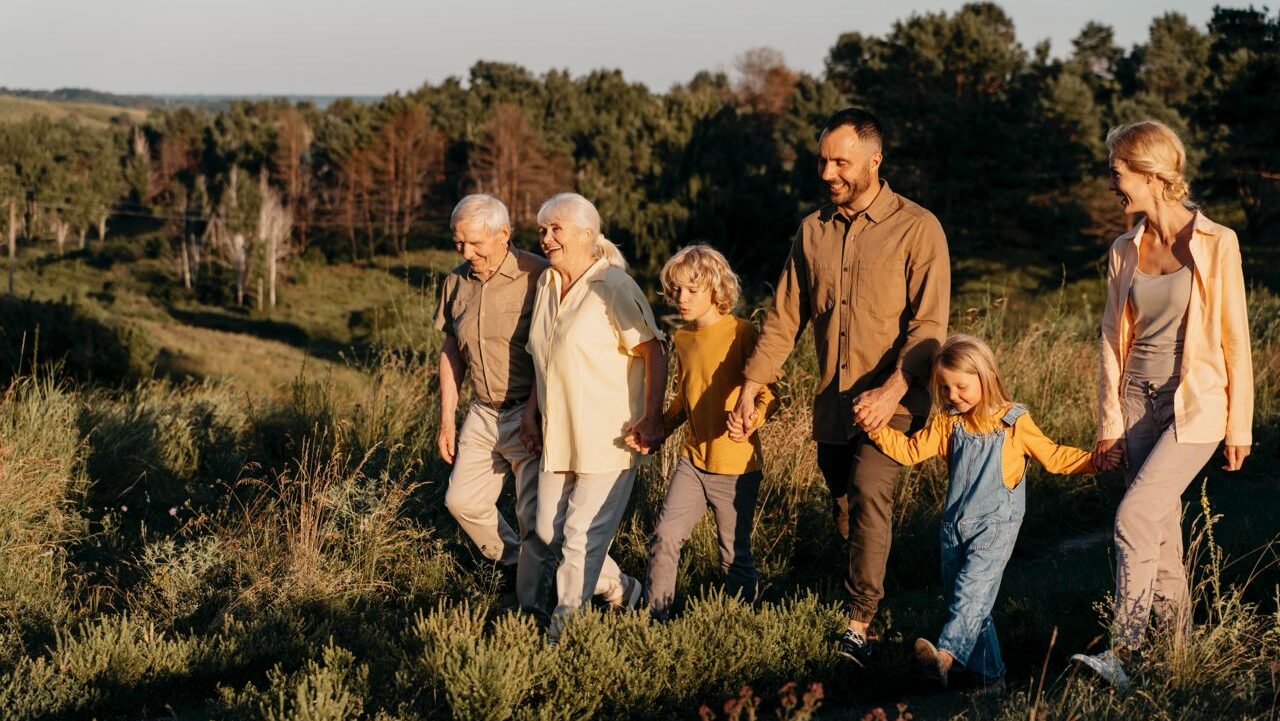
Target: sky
(373, 47)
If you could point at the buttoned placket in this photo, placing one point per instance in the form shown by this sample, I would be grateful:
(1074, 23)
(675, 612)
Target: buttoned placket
(844, 312)
(484, 367)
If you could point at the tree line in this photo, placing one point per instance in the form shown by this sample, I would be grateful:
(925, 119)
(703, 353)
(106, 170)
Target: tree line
(1003, 142)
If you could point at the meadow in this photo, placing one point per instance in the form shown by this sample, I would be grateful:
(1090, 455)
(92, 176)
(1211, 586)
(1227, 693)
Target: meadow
(247, 521)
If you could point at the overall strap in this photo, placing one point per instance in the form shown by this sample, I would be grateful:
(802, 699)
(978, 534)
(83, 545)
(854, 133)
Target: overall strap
(1016, 411)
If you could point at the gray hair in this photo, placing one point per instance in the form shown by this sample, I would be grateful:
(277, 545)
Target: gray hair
(579, 211)
(482, 207)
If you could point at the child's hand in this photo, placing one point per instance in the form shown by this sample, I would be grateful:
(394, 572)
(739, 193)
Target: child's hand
(860, 414)
(740, 432)
(644, 435)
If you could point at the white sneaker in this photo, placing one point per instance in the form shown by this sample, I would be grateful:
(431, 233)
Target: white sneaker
(630, 591)
(1106, 666)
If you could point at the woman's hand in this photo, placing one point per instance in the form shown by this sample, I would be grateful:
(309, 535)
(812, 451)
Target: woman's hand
(530, 432)
(644, 435)
(1110, 454)
(1235, 457)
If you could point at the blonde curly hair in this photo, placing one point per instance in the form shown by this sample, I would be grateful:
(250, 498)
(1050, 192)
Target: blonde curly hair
(1151, 147)
(702, 265)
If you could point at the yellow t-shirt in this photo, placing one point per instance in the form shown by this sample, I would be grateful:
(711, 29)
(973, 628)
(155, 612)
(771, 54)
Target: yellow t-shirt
(1024, 438)
(709, 380)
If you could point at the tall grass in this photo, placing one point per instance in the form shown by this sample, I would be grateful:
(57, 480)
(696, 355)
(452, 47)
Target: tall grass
(185, 546)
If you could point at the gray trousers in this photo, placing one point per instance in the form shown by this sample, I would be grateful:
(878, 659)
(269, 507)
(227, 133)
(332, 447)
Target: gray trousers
(577, 517)
(732, 499)
(1148, 531)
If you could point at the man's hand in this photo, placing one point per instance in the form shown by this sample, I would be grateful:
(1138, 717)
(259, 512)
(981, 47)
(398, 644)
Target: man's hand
(644, 435)
(742, 417)
(873, 409)
(447, 440)
(1110, 454)
(530, 432)
(1235, 457)
(739, 431)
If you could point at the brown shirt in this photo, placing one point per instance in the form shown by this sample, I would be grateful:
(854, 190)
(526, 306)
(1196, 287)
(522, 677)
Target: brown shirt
(490, 321)
(877, 289)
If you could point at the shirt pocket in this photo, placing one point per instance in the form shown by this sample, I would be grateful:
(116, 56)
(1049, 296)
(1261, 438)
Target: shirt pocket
(465, 321)
(882, 289)
(823, 282)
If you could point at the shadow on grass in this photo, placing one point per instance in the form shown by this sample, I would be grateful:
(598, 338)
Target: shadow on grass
(266, 329)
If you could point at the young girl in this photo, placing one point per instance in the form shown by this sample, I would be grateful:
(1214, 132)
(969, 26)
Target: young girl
(718, 465)
(986, 440)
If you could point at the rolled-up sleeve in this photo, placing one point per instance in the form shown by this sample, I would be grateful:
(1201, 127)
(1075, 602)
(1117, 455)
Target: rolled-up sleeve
(1110, 415)
(1235, 345)
(784, 321)
(929, 297)
(443, 321)
(630, 313)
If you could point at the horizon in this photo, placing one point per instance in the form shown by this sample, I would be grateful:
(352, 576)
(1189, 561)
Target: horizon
(241, 53)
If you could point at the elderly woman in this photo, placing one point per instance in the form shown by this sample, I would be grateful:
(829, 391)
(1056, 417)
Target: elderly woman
(601, 373)
(1176, 377)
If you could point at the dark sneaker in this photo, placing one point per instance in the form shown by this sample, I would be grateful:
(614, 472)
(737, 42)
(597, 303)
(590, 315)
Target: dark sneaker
(989, 687)
(931, 663)
(854, 647)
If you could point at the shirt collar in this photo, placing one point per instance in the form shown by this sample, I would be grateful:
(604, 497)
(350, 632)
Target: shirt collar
(509, 267)
(1199, 224)
(885, 202)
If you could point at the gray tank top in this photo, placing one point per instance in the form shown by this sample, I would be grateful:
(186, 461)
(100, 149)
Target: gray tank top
(1159, 323)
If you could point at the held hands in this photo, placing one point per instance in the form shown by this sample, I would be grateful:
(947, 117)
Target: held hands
(742, 419)
(530, 432)
(873, 409)
(1110, 454)
(645, 435)
(740, 431)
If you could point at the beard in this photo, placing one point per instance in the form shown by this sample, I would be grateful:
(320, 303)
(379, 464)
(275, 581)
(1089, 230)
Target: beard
(854, 187)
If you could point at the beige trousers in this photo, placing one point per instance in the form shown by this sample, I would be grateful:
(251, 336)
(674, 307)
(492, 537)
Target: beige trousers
(489, 451)
(1148, 530)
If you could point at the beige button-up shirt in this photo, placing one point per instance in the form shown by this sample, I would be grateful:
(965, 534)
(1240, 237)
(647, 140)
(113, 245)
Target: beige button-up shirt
(877, 290)
(590, 381)
(490, 321)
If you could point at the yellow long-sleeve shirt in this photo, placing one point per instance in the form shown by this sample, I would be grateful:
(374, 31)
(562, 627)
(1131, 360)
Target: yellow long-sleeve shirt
(708, 382)
(1023, 439)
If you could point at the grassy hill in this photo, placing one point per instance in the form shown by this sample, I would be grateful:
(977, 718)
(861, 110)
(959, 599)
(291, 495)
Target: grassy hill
(15, 109)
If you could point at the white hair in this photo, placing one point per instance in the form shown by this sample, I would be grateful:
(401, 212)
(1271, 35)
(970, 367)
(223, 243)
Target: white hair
(482, 207)
(579, 211)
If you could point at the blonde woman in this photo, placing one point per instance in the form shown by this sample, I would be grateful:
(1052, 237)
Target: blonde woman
(1176, 377)
(601, 373)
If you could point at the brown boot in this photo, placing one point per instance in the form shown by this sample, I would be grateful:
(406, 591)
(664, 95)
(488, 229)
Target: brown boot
(934, 663)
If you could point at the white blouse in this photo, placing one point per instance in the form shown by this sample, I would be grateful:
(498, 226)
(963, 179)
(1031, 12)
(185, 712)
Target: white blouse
(590, 380)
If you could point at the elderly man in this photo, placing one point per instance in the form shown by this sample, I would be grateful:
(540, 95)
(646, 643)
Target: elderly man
(870, 271)
(484, 310)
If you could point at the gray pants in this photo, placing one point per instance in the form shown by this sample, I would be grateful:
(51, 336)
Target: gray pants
(733, 501)
(577, 517)
(1148, 531)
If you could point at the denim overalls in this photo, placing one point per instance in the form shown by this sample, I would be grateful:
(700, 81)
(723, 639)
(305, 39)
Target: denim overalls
(979, 527)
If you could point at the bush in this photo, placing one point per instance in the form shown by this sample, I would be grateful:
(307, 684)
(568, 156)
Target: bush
(81, 345)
